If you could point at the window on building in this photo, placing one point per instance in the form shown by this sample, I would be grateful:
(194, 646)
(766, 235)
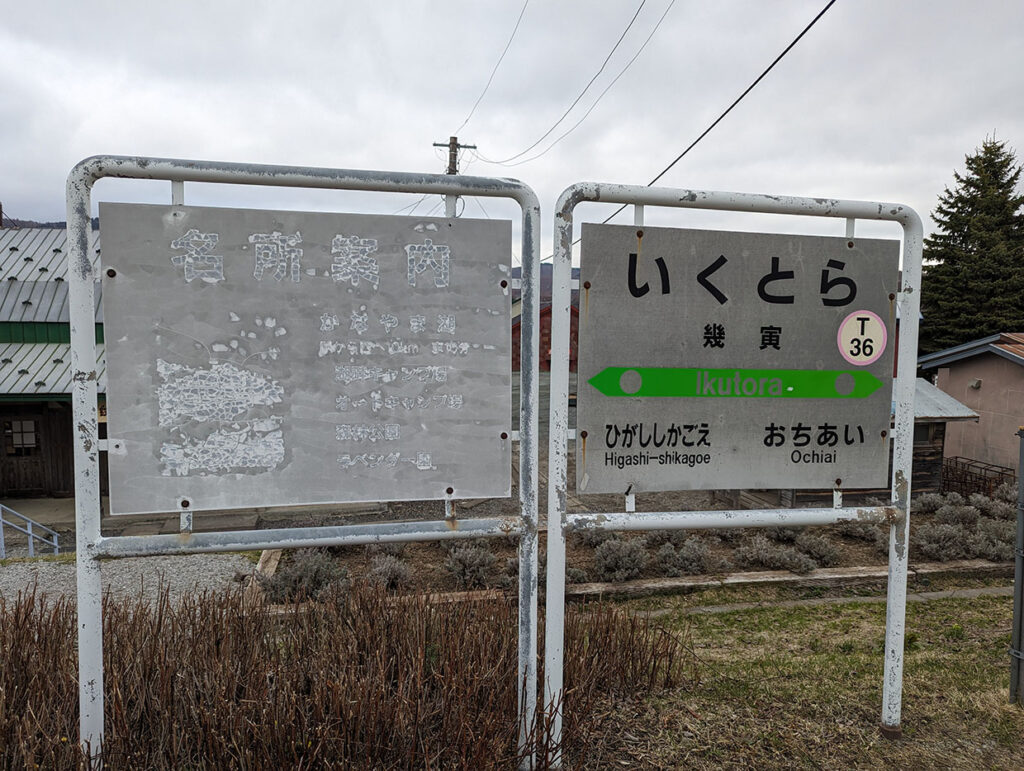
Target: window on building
(21, 437)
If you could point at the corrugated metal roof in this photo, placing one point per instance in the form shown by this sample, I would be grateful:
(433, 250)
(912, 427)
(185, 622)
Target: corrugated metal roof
(42, 368)
(33, 275)
(1009, 345)
(45, 301)
(1012, 343)
(932, 405)
(38, 254)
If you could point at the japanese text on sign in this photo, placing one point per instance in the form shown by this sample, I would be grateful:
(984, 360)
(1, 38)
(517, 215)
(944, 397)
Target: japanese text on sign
(267, 358)
(776, 345)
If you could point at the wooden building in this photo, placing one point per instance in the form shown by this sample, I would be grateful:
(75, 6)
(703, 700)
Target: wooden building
(545, 337)
(35, 364)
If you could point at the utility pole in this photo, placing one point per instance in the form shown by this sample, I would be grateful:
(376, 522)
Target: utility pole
(1017, 631)
(453, 168)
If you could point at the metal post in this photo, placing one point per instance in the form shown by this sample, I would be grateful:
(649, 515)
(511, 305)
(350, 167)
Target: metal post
(558, 445)
(31, 539)
(638, 221)
(81, 290)
(184, 517)
(529, 469)
(1016, 673)
(909, 304)
(3, 547)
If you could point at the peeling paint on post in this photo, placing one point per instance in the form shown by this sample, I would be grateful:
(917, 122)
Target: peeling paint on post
(897, 514)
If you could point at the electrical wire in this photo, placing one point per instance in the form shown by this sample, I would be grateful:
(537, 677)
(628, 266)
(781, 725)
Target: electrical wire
(412, 206)
(601, 95)
(576, 101)
(727, 111)
(497, 64)
(738, 99)
(477, 202)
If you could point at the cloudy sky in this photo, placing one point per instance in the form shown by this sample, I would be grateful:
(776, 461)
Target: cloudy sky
(879, 101)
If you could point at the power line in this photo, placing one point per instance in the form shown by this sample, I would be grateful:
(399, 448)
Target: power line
(581, 94)
(601, 95)
(728, 110)
(477, 201)
(496, 65)
(738, 99)
(412, 206)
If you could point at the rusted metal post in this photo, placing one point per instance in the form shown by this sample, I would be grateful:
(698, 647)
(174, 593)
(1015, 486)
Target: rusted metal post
(1016, 671)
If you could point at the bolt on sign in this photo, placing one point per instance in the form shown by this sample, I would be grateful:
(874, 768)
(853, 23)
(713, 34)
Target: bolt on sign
(717, 360)
(261, 358)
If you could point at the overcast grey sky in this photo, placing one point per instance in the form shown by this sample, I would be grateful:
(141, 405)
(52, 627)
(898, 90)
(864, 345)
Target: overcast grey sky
(880, 101)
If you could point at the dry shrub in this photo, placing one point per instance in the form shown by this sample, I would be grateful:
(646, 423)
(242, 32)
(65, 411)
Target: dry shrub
(575, 576)
(957, 514)
(993, 507)
(392, 548)
(469, 566)
(657, 538)
(979, 527)
(760, 552)
(306, 575)
(730, 535)
(782, 534)
(858, 531)
(362, 681)
(389, 572)
(620, 560)
(819, 548)
(995, 539)
(592, 537)
(693, 558)
(927, 503)
(942, 542)
(1006, 492)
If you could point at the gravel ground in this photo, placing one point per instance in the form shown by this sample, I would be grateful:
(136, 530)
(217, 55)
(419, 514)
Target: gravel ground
(129, 577)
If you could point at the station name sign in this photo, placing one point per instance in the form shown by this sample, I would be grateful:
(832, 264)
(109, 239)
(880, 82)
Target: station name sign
(718, 360)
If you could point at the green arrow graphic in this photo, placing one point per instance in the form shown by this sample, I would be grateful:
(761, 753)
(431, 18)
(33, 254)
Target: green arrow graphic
(732, 383)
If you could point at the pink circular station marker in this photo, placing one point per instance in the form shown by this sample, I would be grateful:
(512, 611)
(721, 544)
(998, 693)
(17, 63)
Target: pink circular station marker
(862, 338)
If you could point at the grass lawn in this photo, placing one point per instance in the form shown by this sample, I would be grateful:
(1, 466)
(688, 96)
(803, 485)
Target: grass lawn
(802, 688)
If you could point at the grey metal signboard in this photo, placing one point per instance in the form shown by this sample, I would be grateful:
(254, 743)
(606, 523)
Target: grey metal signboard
(718, 360)
(260, 358)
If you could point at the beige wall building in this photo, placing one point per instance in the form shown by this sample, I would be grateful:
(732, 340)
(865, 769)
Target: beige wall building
(987, 375)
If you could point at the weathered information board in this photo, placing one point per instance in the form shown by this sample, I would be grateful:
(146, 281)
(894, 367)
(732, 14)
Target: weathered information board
(718, 360)
(261, 358)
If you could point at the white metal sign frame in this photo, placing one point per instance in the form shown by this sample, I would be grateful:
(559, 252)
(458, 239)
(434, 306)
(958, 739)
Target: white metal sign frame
(92, 546)
(896, 515)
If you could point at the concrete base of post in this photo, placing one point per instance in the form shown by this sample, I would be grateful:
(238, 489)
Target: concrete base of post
(890, 732)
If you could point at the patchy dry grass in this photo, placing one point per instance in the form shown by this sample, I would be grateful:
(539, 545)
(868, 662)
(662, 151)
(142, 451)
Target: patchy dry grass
(65, 558)
(801, 688)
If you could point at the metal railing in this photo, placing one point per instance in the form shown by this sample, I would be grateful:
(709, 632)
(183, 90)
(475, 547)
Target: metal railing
(31, 528)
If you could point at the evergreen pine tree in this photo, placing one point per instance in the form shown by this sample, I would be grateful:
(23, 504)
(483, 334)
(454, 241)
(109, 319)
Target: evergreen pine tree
(973, 283)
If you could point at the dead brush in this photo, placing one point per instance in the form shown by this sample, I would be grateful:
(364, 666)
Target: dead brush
(357, 679)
